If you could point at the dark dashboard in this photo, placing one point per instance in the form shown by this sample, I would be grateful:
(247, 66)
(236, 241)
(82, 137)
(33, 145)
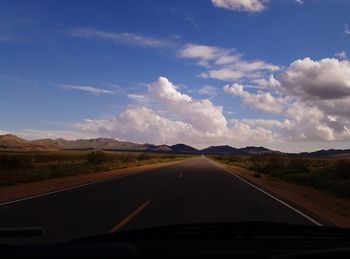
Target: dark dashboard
(225, 240)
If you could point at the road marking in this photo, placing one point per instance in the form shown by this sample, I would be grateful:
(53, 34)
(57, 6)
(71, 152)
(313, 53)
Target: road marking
(268, 194)
(180, 175)
(128, 218)
(76, 186)
(65, 189)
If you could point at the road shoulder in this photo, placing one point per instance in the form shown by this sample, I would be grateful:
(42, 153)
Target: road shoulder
(333, 209)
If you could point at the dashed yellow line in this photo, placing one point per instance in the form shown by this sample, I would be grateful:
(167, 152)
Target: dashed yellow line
(128, 218)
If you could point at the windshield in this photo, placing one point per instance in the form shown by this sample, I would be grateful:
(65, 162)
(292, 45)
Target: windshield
(125, 115)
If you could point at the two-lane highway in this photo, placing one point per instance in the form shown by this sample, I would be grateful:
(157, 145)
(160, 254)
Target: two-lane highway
(190, 191)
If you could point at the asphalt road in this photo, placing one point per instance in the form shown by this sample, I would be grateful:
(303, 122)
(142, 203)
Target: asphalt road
(191, 191)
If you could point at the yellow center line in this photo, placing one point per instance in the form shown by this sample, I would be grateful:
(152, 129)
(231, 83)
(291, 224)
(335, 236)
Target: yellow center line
(128, 218)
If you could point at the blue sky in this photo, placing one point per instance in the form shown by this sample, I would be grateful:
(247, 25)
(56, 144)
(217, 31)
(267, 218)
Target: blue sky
(79, 69)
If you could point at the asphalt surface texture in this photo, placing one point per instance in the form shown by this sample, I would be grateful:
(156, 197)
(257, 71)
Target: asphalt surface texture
(190, 191)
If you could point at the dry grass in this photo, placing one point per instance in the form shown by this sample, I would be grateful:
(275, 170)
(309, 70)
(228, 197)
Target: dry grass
(23, 167)
(331, 175)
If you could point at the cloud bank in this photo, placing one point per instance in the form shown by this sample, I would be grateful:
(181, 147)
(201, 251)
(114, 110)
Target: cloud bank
(196, 122)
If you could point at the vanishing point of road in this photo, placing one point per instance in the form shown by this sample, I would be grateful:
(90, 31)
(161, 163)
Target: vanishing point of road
(190, 191)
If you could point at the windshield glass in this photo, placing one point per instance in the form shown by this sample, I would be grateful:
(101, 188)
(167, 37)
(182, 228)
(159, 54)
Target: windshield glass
(124, 115)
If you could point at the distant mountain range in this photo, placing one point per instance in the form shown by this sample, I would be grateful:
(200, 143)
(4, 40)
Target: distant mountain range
(11, 142)
(231, 150)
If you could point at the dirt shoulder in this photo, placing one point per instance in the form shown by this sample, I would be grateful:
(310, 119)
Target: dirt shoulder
(329, 208)
(19, 191)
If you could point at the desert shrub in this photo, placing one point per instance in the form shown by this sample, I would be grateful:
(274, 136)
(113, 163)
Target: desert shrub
(47, 157)
(125, 158)
(297, 165)
(96, 157)
(273, 165)
(258, 163)
(341, 169)
(143, 156)
(341, 188)
(301, 178)
(15, 161)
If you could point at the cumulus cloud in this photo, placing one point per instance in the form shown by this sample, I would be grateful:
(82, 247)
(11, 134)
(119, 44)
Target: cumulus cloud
(201, 123)
(89, 89)
(305, 123)
(339, 107)
(326, 79)
(201, 114)
(142, 124)
(309, 123)
(311, 98)
(225, 64)
(195, 122)
(263, 101)
(251, 6)
(181, 118)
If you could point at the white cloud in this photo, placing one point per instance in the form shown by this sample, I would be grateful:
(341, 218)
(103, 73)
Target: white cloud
(304, 123)
(271, 82)
(309, 123)
(316, 98)
(251, 6)
(138, 98)
(326, 79)
(268, 123)
(225, 64)
(142, 124)
(89, 89)
(127, 38)
(346, 29)
(202, 52)
(341, 55)
(195, 122)
(225, 74)
(263, 101)
(301, 2)
(208, 90)
(201, 114)
(201, 123)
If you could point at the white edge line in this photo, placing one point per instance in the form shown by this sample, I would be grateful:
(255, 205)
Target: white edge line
(268, 194)
(69, 188)
(65, 189)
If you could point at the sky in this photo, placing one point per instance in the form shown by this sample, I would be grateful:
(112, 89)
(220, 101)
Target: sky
(271, 73)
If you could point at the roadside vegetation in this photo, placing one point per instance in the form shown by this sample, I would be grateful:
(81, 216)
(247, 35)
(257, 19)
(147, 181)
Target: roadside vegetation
(21, 167)
(331, 175)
